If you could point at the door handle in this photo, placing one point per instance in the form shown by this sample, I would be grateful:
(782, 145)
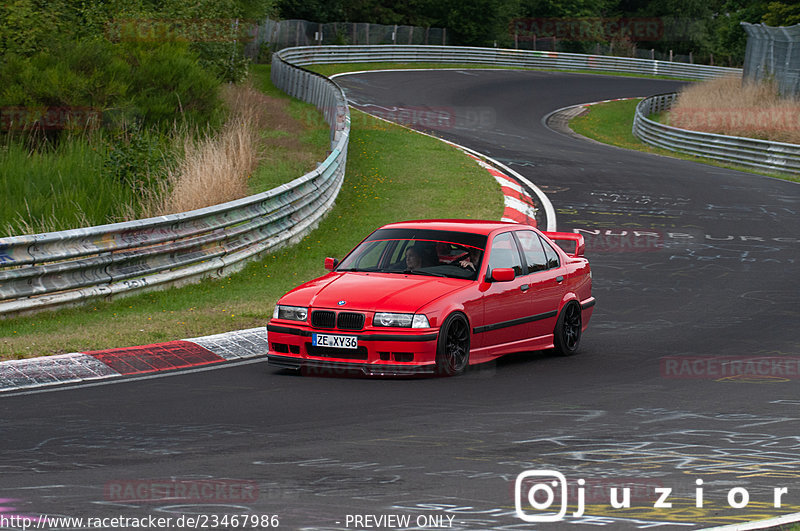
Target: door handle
(559, 279)
(524, 287)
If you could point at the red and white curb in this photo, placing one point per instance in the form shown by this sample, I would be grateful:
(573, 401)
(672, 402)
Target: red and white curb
(77, 367)
(519, 206)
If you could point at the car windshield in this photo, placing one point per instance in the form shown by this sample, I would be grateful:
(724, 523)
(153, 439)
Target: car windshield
(419, 252)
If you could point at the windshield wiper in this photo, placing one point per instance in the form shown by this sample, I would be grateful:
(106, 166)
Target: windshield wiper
(426, 273)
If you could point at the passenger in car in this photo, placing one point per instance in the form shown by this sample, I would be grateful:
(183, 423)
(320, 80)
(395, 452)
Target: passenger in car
(472, 260)
(413, 258)
(421, 255)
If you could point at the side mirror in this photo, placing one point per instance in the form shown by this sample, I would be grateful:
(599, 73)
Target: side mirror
(503, 274)
(331, 263)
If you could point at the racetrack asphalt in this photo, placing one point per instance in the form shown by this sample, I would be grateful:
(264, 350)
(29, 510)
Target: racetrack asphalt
(688, 370)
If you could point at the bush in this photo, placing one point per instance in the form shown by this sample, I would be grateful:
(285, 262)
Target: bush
(137, 157)
(124, 83)
(224, 60)
(167, 84)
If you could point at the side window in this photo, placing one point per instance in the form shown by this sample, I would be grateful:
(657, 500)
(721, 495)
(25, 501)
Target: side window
(552, 255)
(504, 253)
(369, 257)
(398, 252)
(533, 251)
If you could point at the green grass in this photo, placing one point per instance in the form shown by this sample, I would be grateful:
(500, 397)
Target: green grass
(311, 136)
(660, 117)
(392, 174)
(612, 123)
(58, 188)
(340, 68)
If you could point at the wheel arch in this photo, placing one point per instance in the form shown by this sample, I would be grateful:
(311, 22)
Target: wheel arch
(443, 342)
(568, 297)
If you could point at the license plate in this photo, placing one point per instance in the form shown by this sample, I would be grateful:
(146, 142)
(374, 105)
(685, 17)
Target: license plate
(334, 341)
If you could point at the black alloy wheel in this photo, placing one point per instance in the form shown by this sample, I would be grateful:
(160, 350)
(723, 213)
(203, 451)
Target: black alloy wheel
(567, 335)
(452, 350)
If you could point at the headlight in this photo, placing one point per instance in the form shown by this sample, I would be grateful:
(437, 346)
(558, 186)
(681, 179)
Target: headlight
(420, 321)
(291, 313)
(400, 320)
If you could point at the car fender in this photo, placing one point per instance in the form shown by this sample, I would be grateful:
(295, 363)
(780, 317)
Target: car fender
(567, 298)
(437, 310)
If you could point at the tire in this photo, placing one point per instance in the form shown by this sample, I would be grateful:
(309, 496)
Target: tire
(567, 334)
(452, 348)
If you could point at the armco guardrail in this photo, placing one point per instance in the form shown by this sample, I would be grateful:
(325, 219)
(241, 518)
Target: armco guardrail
(750, 152)
(499, 57)
(62, 268)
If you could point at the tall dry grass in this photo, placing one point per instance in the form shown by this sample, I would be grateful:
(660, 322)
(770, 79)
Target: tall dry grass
(215, 168)
(726, 106)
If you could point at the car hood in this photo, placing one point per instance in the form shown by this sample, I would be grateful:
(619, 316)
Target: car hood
(372, 291)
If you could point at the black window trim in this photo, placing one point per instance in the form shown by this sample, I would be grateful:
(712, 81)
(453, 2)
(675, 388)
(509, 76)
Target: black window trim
(555, 252)
(542, 242)
(490, 244)
(521, 254)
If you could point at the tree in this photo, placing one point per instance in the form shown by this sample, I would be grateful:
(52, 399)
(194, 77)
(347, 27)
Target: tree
(322, 11)
(728, 38)
(28, 25)
(781, 14)
(478, 22)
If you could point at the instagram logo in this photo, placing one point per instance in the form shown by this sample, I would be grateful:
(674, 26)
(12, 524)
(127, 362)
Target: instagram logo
(533, 491)
(539, 490)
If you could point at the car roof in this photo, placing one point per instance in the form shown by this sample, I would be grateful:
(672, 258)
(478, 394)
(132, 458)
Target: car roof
(475, 226)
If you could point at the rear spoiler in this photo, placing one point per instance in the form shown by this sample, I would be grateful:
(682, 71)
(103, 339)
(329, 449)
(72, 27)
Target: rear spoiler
(580, 244)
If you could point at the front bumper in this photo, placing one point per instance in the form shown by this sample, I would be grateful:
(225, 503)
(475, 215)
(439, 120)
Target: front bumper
(406, 352)
(337, 367)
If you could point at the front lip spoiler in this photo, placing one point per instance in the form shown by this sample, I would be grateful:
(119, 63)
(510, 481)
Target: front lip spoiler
(368, 369)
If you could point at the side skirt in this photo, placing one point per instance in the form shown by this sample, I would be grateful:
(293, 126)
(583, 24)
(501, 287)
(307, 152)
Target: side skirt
(484, 354)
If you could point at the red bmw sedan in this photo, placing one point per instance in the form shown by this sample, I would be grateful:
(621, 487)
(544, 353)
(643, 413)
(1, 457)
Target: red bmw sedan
(434, 296)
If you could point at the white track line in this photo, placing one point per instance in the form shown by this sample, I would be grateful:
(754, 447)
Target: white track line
(758, 524)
